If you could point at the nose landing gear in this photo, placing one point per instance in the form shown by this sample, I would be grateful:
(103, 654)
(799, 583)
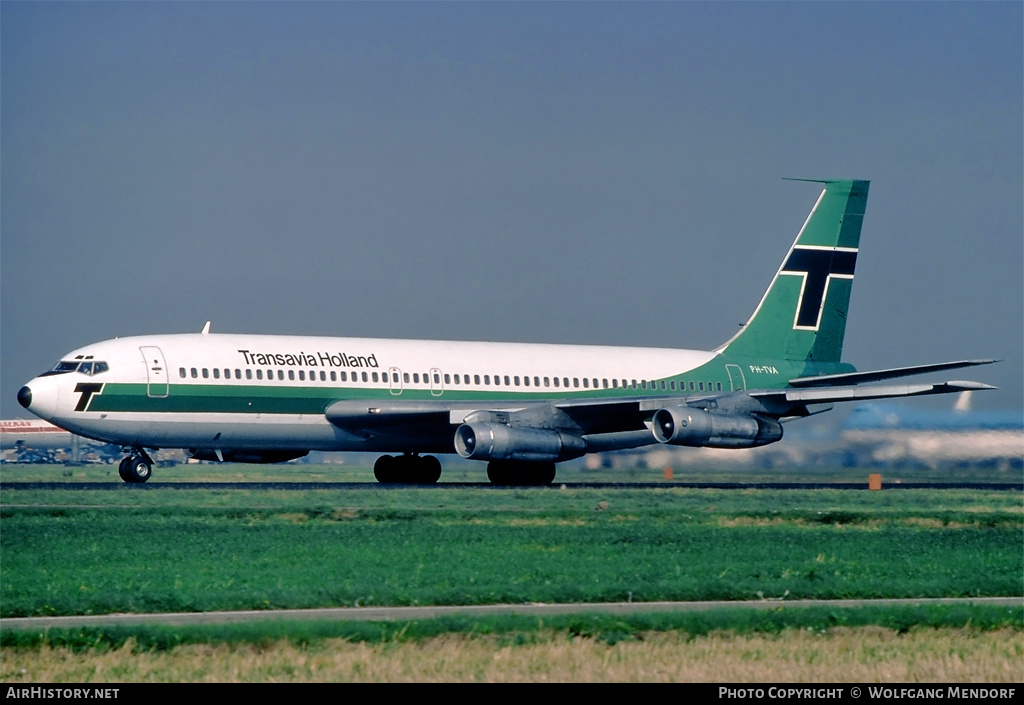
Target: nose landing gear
(136, 468)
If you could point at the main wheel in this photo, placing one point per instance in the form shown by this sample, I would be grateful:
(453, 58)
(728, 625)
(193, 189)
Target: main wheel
(137, 470)
(386, 469)
(429, 470)
(542, 474)
(520, 474)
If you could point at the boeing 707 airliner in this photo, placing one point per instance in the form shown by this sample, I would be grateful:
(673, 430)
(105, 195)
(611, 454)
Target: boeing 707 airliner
(522, 408)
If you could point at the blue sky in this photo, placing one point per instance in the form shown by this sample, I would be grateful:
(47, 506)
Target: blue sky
(605, 173)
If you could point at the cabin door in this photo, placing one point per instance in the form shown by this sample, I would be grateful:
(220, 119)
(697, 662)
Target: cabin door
(156, 372)
(395, 379)
(736, 377)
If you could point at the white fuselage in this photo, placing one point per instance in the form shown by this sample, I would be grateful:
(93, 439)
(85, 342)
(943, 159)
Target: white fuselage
(225, 391)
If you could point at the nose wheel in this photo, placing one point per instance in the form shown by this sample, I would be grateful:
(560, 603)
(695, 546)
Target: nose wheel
(136, 468)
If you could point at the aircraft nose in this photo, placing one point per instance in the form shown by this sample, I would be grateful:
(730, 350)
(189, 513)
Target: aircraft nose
(40, 397)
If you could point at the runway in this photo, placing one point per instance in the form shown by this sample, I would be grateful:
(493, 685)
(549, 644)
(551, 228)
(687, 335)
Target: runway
(391, 614)
(350, 486)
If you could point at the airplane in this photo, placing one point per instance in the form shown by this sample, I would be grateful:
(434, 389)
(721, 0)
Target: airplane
(521, 408)
(33, 434)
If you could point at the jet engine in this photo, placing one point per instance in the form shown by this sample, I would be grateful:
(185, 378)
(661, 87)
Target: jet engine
(228, 455)
(496, 441)
(686, 426)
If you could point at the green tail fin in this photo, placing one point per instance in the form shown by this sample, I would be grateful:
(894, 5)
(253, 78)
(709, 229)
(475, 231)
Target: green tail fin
(803, 314)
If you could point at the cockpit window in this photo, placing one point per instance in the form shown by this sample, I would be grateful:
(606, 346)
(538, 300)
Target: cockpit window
(88, 367)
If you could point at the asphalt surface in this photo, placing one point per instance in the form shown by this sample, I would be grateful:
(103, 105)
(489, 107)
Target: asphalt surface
(152, 486)
(391, 614)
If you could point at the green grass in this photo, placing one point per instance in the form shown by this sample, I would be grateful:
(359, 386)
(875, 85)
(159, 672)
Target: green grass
(519, 629)
(133, 550)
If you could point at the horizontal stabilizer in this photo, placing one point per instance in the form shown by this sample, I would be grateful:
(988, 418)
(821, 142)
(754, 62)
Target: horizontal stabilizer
(879, 375)
(835, 394)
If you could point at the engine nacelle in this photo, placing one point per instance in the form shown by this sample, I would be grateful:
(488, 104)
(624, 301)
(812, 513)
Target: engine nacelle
(686, 426)
(496, 441)
(229, 455)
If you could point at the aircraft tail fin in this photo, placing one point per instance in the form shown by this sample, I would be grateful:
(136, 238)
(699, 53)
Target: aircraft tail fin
(802, 315)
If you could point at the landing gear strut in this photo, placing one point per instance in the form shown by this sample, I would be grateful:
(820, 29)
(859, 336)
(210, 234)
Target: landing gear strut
(136, 468)
(408, 469)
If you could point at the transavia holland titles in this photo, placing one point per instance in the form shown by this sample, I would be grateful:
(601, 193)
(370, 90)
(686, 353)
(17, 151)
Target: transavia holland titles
(302, 359)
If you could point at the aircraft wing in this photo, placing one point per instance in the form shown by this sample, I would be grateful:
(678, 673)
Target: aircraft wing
(569, 427)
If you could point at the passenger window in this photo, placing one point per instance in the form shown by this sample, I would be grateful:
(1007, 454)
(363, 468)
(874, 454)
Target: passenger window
(437, 378)
(195, 373)
(216, 373)
(238, 373)
(576, 382)
(374, 376)
(556, 381)
(181, 372)
(416, 377)
(291, 375)
(259, 374)
(565, 382)
(615, 384)
(507, 383)
(526, 381)
(691, 386)
(447, 378)
(487, 379)
(476, 379)
(248, 374)
(516, 378)
(334, 376)
(586, 383)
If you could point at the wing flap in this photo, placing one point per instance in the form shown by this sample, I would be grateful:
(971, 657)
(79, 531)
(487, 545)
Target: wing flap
(836, 394)
(879, 375)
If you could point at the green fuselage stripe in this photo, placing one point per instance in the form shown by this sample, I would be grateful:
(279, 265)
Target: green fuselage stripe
(256, 398)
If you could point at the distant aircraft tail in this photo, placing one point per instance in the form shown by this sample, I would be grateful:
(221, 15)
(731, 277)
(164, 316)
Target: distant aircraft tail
(802, 315)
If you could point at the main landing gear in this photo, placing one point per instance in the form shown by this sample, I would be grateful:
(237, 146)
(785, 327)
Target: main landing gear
(520, 474)
(408, 469)
(136, 468)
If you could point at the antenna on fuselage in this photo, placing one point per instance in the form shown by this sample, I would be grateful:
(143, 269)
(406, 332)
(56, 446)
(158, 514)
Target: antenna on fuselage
(206, 328)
